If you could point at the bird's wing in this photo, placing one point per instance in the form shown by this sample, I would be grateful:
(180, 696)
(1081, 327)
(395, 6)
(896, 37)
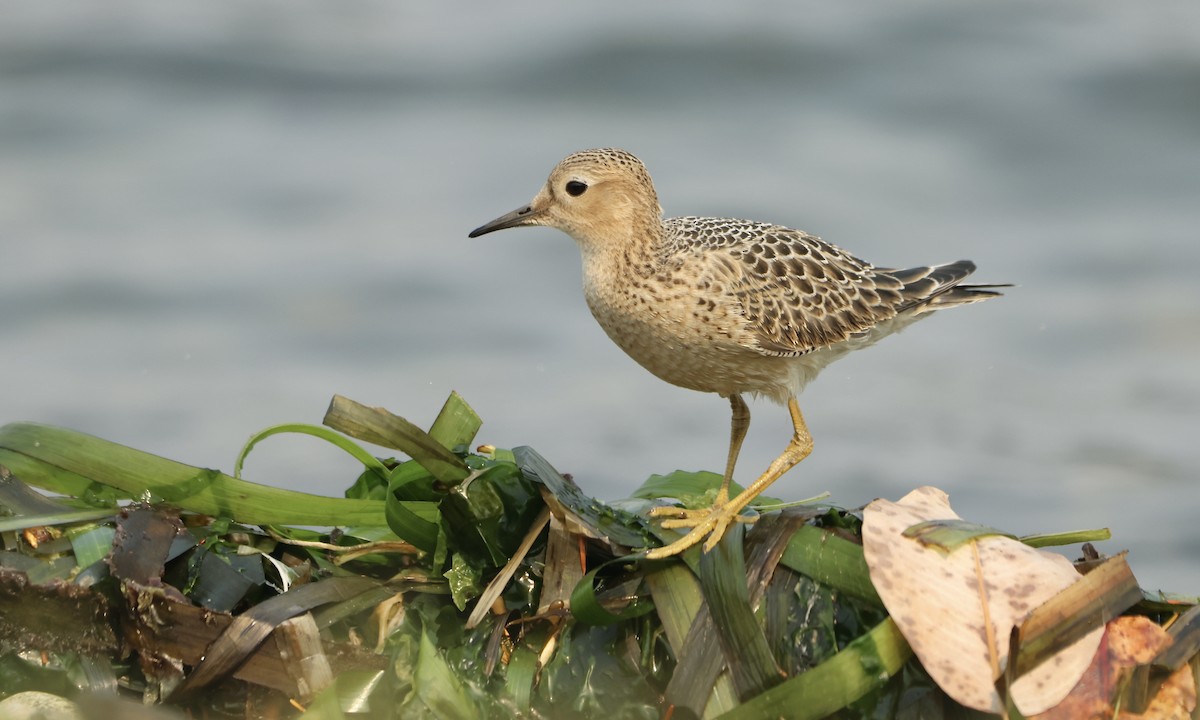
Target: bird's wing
(796, 292)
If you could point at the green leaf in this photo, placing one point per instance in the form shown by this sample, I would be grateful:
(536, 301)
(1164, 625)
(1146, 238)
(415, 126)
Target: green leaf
(350, 692)
(436, 689)
(865, 664)
(488, 515)
(68, 462)
(223, 578)
(411, 481)
(1069, 537)
(723, 582)
(678, 601)
(832, 560)
(949, 534)
(464, 581)
(45, 572)
(19, 675)
(456, 425)
(91, 543)
(368, 486)
(694, 489)
(17, 498)
(520, 676)
(327, 705)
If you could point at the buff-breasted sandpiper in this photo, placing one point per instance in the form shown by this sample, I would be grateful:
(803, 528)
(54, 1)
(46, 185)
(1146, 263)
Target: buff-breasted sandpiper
(724, 306)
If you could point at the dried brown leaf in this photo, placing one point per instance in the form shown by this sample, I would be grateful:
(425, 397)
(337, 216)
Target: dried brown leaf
(958, 620)
(1128, 641)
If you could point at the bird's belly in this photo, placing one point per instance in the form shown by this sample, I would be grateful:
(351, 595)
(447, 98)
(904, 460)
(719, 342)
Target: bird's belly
(699, 353)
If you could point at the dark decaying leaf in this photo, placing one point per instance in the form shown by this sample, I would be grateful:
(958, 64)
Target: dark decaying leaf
(1185, 641)
(143, 541)
(57, 617)
(16, 498)
(250, 629)
(620, 527)
(223, 578)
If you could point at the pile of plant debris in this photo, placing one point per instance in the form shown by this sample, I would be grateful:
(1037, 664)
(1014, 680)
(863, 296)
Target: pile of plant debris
(482, 583)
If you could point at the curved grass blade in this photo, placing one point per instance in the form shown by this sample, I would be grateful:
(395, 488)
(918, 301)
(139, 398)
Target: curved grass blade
(588, 609)
(413, 521)
(520, 676)
(356, 451)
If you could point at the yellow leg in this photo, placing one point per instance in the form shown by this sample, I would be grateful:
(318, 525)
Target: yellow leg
(714, 521)
(738, 425)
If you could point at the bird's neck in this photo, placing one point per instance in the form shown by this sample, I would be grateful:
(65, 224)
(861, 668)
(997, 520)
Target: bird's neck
(634, 248)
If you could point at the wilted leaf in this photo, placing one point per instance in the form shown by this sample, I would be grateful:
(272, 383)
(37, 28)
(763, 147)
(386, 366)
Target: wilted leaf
(957, 620)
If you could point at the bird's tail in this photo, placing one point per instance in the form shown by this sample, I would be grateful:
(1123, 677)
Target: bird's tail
(935, 287)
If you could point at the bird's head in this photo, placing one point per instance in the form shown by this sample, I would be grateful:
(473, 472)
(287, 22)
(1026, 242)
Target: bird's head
(595, 196)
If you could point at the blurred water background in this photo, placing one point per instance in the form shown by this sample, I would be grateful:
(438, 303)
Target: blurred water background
(215, 215)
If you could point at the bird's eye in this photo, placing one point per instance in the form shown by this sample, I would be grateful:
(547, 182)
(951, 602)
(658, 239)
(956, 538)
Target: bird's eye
(575, 188)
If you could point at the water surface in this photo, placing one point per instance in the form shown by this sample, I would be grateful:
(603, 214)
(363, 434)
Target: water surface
(215, 216)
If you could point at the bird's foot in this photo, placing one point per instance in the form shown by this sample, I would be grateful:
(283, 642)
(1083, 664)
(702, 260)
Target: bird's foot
(711, 522)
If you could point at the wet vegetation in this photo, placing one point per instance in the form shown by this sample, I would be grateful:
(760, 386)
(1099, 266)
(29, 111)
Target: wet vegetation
(460, 582)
